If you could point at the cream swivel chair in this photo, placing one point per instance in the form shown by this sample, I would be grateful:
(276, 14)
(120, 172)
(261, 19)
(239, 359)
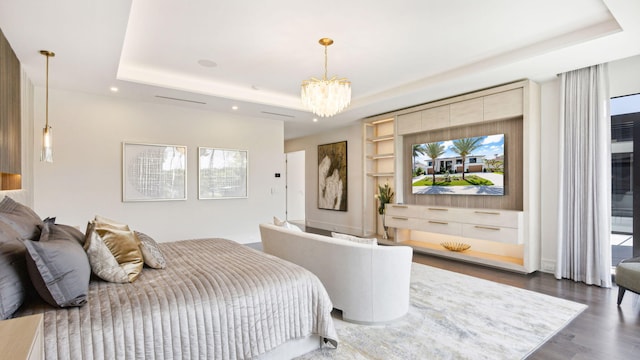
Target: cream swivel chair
(628, 277)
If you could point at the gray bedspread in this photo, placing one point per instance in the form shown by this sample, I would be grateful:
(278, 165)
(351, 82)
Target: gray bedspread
(215, 300)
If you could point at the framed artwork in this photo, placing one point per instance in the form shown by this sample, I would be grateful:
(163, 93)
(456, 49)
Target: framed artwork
(332, 176)
(153, 172)
(222, 173)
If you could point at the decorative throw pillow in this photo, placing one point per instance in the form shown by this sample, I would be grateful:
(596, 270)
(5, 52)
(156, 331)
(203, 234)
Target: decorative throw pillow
(368, 241)
(58, 267)
(13, 273)
(151, 252)
(73, 231)
(102, 262)
(21, 218)
(285, 224)
(122, 243)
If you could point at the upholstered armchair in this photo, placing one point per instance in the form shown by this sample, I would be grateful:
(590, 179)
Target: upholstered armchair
(628, 277)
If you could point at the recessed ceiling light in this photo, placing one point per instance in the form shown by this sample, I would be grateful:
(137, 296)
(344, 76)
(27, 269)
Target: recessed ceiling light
(207, 63)
(234, 107)
(113, 89)
(315, 119)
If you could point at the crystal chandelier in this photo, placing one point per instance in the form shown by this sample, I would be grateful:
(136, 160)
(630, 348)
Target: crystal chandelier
(326, 97)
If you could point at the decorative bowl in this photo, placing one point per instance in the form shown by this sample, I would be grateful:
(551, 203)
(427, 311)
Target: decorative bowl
(455, 246)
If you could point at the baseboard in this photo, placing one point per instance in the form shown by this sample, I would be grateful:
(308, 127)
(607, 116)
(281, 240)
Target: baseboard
(548, 266)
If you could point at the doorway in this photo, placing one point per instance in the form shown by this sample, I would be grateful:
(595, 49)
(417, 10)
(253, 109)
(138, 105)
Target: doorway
(295, 187)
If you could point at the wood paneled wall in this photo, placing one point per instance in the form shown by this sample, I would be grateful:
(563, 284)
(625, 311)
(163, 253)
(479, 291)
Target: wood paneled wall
(10, 123)
(513, 182)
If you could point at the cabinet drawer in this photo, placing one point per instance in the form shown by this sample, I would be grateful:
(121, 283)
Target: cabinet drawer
(491, 233)
(403, 210)
(489, 217)
(435, 226)
(442, 213)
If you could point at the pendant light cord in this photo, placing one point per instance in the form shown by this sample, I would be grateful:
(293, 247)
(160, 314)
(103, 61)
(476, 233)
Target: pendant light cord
(47, 96)
(325, 62)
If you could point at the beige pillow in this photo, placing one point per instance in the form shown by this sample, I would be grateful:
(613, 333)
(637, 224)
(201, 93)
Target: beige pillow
(285, 224)
(102, 262)
(123, 244)
(368, 241)
(151, 253)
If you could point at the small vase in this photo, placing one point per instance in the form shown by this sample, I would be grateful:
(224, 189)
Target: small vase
(385, 233)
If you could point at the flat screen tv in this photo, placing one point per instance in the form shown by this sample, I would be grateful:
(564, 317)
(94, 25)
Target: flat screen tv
(466, 166)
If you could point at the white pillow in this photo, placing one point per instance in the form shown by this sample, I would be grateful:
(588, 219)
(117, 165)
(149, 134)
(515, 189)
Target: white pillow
(285, 224)
(368, 241)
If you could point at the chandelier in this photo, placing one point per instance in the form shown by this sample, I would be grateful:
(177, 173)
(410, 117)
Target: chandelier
(326, 97)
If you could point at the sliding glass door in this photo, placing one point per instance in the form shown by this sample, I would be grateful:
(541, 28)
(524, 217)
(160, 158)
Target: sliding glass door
(625, 177)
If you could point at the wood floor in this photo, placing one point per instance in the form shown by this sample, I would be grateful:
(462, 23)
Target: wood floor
(604, 331)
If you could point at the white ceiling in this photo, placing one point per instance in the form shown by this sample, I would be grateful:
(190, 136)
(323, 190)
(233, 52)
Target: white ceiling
(396, 54)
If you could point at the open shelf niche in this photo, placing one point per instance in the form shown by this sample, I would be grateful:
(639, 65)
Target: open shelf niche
(379, 167)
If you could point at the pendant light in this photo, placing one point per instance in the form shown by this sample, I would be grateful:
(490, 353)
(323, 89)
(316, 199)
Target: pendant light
(47, 151)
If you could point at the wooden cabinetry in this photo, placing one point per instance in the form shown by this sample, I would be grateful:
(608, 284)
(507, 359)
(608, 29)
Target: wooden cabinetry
(22, 338)
(503, 232)
(10, 124)
(436, 118)
(466, 112)
(496, 236)
(379, 160)
(458, 112)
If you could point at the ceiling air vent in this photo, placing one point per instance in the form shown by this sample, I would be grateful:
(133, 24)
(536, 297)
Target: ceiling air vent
(184, 100)
(277, 114)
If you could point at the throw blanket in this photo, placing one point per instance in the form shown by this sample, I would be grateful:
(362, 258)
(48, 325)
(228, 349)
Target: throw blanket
(215, 300)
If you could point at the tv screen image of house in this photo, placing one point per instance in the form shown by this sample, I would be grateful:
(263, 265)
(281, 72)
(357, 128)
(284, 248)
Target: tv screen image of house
(466, 166)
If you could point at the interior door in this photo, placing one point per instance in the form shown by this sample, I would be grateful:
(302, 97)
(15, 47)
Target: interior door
(295, 187)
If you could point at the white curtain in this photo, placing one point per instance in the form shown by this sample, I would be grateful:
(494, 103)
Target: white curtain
(584, 250)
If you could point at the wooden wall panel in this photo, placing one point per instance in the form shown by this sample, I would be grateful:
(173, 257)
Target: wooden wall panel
(512, 200)
(10, 123)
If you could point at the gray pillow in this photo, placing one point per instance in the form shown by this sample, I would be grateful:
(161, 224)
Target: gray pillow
(151, 253)
(21, 218)
(76, 234)
(58, 267)
(13, 273)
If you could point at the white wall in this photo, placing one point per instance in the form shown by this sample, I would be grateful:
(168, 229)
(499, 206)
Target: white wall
(624, 76)
(85, 178)
(349, 221)
(549, 186)
(624, 79)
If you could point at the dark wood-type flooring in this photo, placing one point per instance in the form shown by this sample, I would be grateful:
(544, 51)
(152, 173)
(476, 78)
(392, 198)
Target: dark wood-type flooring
(603, 331)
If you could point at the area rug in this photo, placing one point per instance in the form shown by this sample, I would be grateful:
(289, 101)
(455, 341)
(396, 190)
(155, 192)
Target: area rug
(455, 316)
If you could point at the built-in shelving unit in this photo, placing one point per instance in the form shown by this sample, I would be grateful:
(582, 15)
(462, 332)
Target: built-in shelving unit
(503, 231)
(379, 159)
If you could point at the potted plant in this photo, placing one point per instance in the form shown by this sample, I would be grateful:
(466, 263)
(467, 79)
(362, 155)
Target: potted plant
(384, 196)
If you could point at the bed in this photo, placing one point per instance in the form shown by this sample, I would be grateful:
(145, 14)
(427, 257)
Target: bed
(216, 299)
